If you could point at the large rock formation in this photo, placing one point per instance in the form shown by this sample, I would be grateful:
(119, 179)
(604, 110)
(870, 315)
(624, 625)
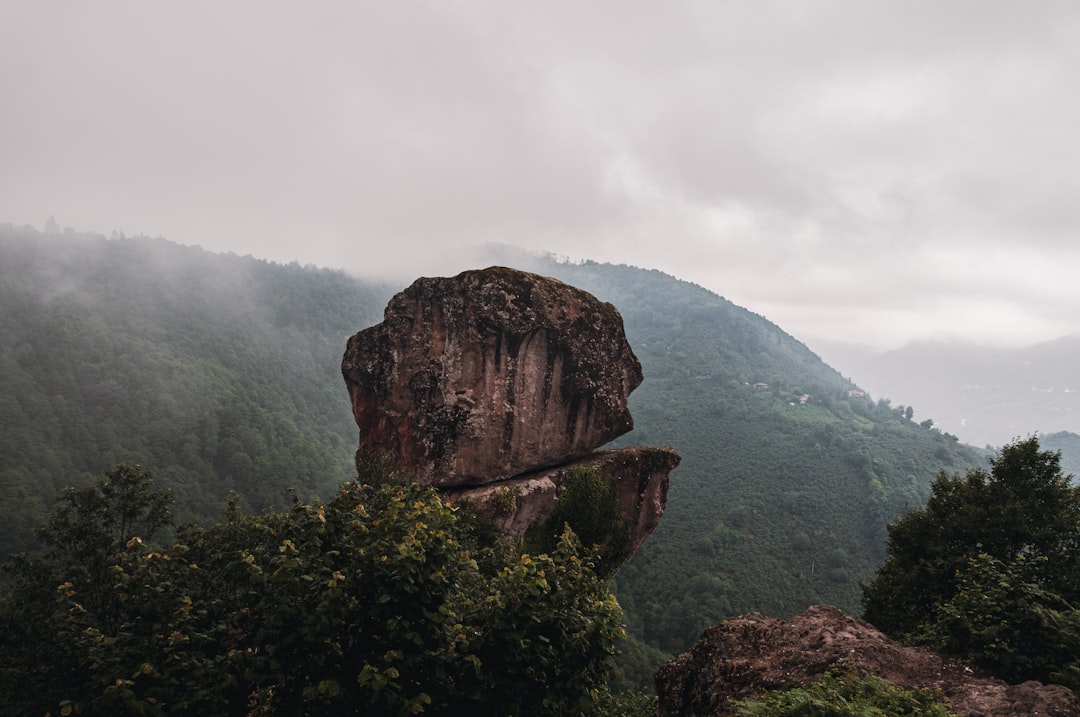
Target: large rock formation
(750, 655)
(490, 374)
(492, 384)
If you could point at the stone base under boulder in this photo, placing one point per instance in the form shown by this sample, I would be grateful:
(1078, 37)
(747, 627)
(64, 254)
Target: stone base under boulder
(639, 476)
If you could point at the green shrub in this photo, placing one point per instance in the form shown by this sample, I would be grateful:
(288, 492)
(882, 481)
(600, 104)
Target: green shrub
(381, 601)
(847, 695)
(591, 508)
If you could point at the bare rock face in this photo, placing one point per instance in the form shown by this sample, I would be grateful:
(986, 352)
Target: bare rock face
(639, 476)
(490, 374)
(750, 655)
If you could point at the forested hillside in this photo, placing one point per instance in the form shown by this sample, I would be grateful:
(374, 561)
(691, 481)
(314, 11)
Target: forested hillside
(1069, 446)
(218, 373)
(221, 373)
(790, 472)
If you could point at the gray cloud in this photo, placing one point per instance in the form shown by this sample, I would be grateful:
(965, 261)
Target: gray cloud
(877, 172)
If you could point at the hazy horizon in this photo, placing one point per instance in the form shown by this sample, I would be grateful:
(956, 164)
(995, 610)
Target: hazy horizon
(498, 253)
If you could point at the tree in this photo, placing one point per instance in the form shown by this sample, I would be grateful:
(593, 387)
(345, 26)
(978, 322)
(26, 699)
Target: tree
(1007, 625)
(83, 541)
(93, 524)
(384, 600)
(1007, 540)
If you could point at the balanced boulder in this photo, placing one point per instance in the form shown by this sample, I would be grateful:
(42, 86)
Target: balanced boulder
(490, 374)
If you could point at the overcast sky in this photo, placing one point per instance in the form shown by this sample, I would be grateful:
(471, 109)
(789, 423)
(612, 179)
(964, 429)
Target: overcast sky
(870, 172)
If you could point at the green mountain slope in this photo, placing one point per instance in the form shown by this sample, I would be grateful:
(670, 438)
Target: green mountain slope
(218, 373)
(1069, 445)
(780, 501)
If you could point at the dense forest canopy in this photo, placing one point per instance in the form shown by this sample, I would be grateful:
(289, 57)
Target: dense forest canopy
(221, 373)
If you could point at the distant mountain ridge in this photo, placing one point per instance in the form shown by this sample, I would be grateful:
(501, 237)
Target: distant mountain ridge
(1069, 445)
(221, 373)
(983, 394)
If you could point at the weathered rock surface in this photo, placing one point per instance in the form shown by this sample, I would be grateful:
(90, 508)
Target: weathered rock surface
(490, 374)
(639, 476)
(494, 385)
(752, 654)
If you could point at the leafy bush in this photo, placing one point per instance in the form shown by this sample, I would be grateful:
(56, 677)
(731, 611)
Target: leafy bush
(847, 695)
(378, 602)
(1007, 625)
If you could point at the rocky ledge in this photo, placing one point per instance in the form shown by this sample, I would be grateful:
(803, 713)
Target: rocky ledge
(639, 476)
(750, 655)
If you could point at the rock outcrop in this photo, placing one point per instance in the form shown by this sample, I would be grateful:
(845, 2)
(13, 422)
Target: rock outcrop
(640, 477)
(750, 655)
(492, 384)
(489, 374)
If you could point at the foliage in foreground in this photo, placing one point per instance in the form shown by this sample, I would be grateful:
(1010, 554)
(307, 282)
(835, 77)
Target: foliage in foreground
(990, 569)
(1008, 624)
(382, 601)
(847, 695)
